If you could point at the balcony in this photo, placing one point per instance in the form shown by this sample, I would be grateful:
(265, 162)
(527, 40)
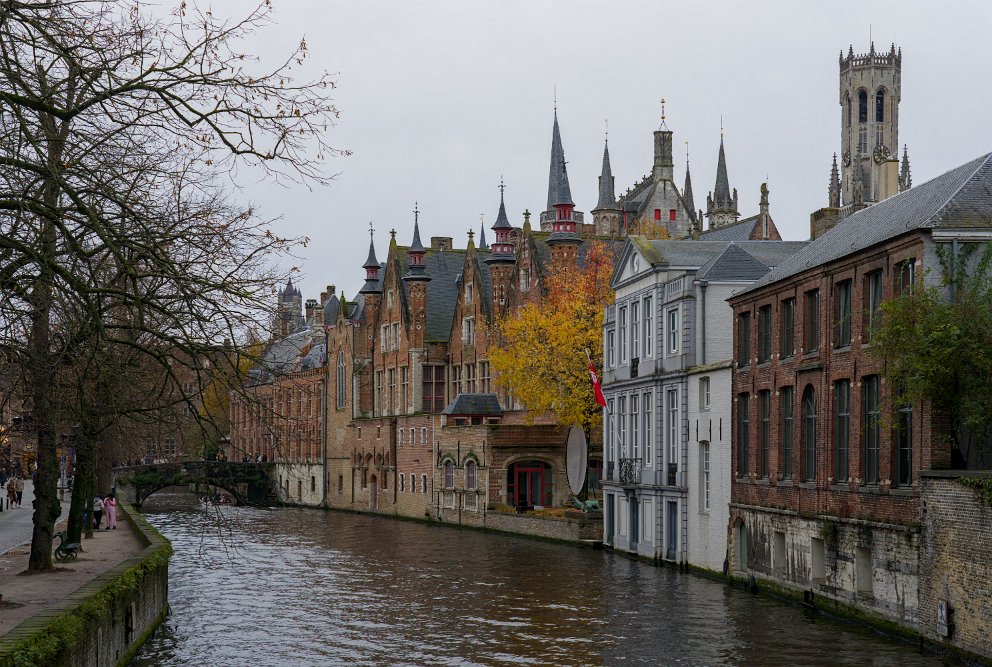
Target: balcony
(630, 472)
(673, 474)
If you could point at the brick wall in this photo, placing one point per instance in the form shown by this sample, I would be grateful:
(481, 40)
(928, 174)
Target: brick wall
(956, 561)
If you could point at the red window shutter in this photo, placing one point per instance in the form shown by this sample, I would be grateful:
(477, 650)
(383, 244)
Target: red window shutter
(671, 214)
(657, 214)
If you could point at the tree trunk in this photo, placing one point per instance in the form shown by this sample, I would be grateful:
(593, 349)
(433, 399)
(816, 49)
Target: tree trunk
(82, 497)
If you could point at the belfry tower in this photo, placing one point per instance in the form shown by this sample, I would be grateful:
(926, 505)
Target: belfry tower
(870, 91)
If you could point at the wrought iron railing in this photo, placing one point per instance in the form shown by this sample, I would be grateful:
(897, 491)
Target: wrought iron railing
(630, 471)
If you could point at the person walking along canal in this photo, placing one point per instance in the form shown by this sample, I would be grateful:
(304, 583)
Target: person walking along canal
(97, 512)
(110, 507)
(19, 488)
(11, 493)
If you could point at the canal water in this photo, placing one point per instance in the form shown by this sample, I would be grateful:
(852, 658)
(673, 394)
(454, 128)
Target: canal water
(306, 587)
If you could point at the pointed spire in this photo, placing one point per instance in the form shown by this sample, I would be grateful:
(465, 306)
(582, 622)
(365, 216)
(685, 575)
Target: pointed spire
(416, 245)
(834, 191)
(502, 222)
(690, 205)
(607, 198)
(721, 191)
(502, 249)
(416, 251)
(371, 267)
(482, 237)
(558, 189)
(905, 178)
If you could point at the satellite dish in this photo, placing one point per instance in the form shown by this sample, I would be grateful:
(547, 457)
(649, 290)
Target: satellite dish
(576, 458)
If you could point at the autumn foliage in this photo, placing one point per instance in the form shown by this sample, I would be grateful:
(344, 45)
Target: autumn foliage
(541, 353)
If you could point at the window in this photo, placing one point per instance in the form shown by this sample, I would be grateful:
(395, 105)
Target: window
(611, 357)
(608, 433)
(396, 335)
(904, 443)
(404, 389)
(524, 279)
(456, 380)
(622, 332)
(788, 332)
(383, 337)
(744, 339)
(469, 378)
(433, 388)
(764, 429)
(622, 423)
(787, 398)
(484, 383)
(672, 401)
(842, 314)
(862, 106)
(413, 436)
(648, 441)
(529, 484)
(880, 105)
(423, 435)
(657, 214)
(842, 429)
(811, 322)
(391, 390)
(809, 434)
(905, 276)
(469, 292)
(704, 393)
(413, 483)
(764, 334)
(743, 433)
(468, 330)
(341, 382)
(873, 299)
(671, 214)
(471, 478)
(648, 328)
(389, 299)
(423, 483)
(635, 322)
(379, 403)
(673, 331)
(704, 466)
(635, 443)
(402, 483)
(449, 474)
(871, 427)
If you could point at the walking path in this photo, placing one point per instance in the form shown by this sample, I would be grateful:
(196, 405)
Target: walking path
(24, 594)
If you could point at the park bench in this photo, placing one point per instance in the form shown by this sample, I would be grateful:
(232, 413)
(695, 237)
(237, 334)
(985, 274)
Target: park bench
(65, 551)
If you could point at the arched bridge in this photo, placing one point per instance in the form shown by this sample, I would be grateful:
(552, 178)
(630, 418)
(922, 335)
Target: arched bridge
(249, 483)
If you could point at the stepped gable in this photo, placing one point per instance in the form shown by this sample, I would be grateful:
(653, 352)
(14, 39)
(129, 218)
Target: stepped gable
(961, 197)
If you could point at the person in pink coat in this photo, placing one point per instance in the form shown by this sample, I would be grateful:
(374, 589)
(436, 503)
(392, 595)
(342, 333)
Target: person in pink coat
(110, 509)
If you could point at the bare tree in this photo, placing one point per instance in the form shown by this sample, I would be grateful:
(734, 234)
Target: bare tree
(114, 127)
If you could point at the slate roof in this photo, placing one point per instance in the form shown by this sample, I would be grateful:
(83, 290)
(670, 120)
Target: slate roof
(607, 199)
(960, 198)
(719, 260)
(331, 309)
(733, 264)
(474, 404)
(739, 231)
(298, 351)
(558, 190)
(721, 191)
(444, 267)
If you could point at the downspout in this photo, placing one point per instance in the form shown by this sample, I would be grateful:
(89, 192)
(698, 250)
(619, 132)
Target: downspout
(702, 326)
(323, 415)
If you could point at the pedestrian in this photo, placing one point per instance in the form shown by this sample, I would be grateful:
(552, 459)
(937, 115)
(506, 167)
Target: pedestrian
(110, 507)
(97, 512)
(11, 493)
(19, 487)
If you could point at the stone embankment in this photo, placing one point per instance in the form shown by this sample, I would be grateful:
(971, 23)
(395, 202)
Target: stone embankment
(94, 615)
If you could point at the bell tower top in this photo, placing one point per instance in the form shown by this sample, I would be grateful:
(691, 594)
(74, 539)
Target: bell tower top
(870, 92)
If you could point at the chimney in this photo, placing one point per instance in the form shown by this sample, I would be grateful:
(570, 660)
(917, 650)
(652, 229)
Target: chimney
(311, 310)
(441, 243)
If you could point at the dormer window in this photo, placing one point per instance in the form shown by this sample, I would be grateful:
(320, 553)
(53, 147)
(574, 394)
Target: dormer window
(468, 292)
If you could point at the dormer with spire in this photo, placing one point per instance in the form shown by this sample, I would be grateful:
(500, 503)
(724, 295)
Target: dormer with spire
(721, 207)
(834, 189)
(372, 268)
(416, 270)
(606, 215)
(564, 240)
(905, 178)
(502, 255)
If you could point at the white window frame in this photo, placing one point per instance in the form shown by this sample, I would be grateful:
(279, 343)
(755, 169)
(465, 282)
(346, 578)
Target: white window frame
(648, 318)
(635, 325)
(423, 483)
(704, 393)
(622, 333)
(622, 409)
(469, 293)
(402, 483)
(635, 417)
(647, 411)
(610, 346)
(673, 331)
(672, 419)
(608, 431)
(704, 466)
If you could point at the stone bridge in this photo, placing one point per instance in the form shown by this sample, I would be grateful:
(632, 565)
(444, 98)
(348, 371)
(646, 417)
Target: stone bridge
(248, 483)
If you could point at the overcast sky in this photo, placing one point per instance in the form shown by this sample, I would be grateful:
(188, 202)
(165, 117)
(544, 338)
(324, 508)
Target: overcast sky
(439, 99)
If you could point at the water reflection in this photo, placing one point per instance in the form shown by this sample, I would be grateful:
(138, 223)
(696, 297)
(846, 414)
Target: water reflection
(304, 587)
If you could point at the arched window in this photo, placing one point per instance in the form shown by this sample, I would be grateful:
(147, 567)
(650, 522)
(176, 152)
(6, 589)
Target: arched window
(880, 105)
(847, 104)
(809, 433)
(341, 379)
(471, 476)
(449, 475)
(862, 106)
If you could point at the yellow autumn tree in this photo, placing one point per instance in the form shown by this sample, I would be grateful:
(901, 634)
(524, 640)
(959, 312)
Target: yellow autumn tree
(540, 351)
(648, 228)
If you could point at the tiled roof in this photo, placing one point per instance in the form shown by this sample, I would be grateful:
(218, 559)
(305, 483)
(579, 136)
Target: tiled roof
(739, 231)
(299, 351)
(331, 309)
(474, 404)
(733, 264)
(961, 197)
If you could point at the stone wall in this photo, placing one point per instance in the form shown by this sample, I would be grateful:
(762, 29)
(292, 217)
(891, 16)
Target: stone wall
(955, 561)
(869, 566)
(106, 621)
(576, 526)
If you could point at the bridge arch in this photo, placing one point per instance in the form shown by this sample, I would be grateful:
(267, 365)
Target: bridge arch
(250, 483)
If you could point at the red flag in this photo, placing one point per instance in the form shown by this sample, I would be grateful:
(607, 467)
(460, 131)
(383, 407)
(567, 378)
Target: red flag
(596, 387)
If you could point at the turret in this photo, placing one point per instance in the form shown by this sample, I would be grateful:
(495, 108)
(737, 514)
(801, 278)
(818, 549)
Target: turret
(502, 255)
(606, 215)
(834, 190)
(721, 207)
(558, 188)
(416, 271)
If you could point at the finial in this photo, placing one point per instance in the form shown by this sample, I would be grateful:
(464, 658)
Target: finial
(662, 109)
(416, 213)
(556, 97)
(482, 220)
(721, 128)
(392, 234)
(471, 234)
(606, 121)
(502, 187)
(527, 216)
(686, 152)
(371, 230)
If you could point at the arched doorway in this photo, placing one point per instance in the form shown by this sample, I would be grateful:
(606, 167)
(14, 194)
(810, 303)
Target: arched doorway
(741, 546)
(373, 493)
(529, 484)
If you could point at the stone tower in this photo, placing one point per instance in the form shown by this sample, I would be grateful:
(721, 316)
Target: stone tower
(289, 311)
(870, 91)
(502, 257)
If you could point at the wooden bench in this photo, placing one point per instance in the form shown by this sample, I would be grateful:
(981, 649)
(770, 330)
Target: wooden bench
(65, 551)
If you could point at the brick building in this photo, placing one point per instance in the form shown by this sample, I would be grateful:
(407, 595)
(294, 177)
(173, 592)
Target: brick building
(825, 494)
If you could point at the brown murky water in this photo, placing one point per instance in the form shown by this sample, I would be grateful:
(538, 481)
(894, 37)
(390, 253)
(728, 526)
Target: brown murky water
(306, 587)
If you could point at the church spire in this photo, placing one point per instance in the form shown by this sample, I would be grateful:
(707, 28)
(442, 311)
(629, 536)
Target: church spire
(607, 198)
(905, 178)
(690, 205)
(721, 207)
(834, 191)
(482, 236)
(558, 189)
(721, 191)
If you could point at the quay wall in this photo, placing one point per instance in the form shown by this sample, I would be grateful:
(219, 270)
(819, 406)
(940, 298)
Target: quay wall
(106, 621)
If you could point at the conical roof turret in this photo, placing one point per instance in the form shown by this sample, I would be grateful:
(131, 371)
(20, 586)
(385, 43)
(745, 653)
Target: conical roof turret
(559, 191)
(416, 252)
(501, 251)
(607, 197)
(690, 205)
(721, 191)
(372, 267)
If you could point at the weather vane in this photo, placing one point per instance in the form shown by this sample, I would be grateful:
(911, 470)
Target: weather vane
(416, 212)
(371, 230)
(662, 109)
(502, 186)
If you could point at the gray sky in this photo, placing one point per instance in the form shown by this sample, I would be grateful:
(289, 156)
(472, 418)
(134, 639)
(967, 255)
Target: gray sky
(439, 99)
